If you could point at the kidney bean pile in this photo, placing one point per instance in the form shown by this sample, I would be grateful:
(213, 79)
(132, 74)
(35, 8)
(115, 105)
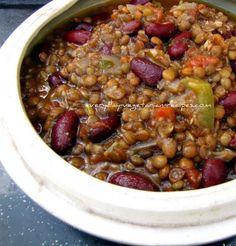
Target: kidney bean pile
(142, 97)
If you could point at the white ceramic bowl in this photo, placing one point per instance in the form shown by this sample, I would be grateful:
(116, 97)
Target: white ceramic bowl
(102, 209)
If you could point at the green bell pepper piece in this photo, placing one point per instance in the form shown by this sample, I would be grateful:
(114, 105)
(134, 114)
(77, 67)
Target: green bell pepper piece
(106, 64)
(205, 97)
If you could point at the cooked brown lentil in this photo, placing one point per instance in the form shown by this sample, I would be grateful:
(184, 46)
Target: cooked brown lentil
(95, 93)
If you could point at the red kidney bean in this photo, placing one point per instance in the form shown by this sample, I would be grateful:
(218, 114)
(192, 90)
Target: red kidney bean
(77, 36)
(55, 79)
(132, 180)
(232, 143)
(107, 49)
(233, 66)
(194, 177)
(214, 172)
(131, 27)
(229, 101)
(64, 132)
(164, 31)
(179, 45)
(104, 129)
(84, 26)
(141, 2)
(146, 70)
(183, 35)
(177, 49)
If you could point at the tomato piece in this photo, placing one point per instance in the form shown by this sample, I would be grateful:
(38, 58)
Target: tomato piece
(165, 113)
(202, 61)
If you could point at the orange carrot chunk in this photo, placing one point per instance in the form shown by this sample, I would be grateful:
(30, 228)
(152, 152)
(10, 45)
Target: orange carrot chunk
(202, 61)
(165, 113)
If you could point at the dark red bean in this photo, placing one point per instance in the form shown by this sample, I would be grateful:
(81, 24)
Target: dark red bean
(214, 172)
(131, 27)
(233, 66)
(107, 49)
(104, 129)
(229, 101)
(164, 31)
(141, 2)
(84, 26)
(232, 143)
(132, 180)
(179, 45)
(183, 35)
(146, 70)
(194, 177)
(64, 132)
(55, 79)
(77, 36)
(177, 50)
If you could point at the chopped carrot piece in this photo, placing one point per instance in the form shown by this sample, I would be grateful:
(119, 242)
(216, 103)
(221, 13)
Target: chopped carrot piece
(202, 61)
(165, 113)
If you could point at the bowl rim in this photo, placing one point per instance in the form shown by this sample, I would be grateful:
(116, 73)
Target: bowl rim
(38, 179)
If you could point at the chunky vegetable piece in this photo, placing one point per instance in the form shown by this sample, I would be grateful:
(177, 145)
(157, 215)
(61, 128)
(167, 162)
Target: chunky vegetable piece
(205, 98)
(141, 96)
(165, 113)
(203, 61)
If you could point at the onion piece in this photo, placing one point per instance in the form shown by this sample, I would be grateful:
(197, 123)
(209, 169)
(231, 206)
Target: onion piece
(145, 145)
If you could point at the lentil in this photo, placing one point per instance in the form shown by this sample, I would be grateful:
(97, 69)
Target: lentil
(159, 161)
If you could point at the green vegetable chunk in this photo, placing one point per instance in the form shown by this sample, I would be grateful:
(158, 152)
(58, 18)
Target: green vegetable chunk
(105, 64)
(205, 97)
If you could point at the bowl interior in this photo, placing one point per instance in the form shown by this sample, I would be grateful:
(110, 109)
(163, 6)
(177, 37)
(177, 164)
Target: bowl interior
(118, 203)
